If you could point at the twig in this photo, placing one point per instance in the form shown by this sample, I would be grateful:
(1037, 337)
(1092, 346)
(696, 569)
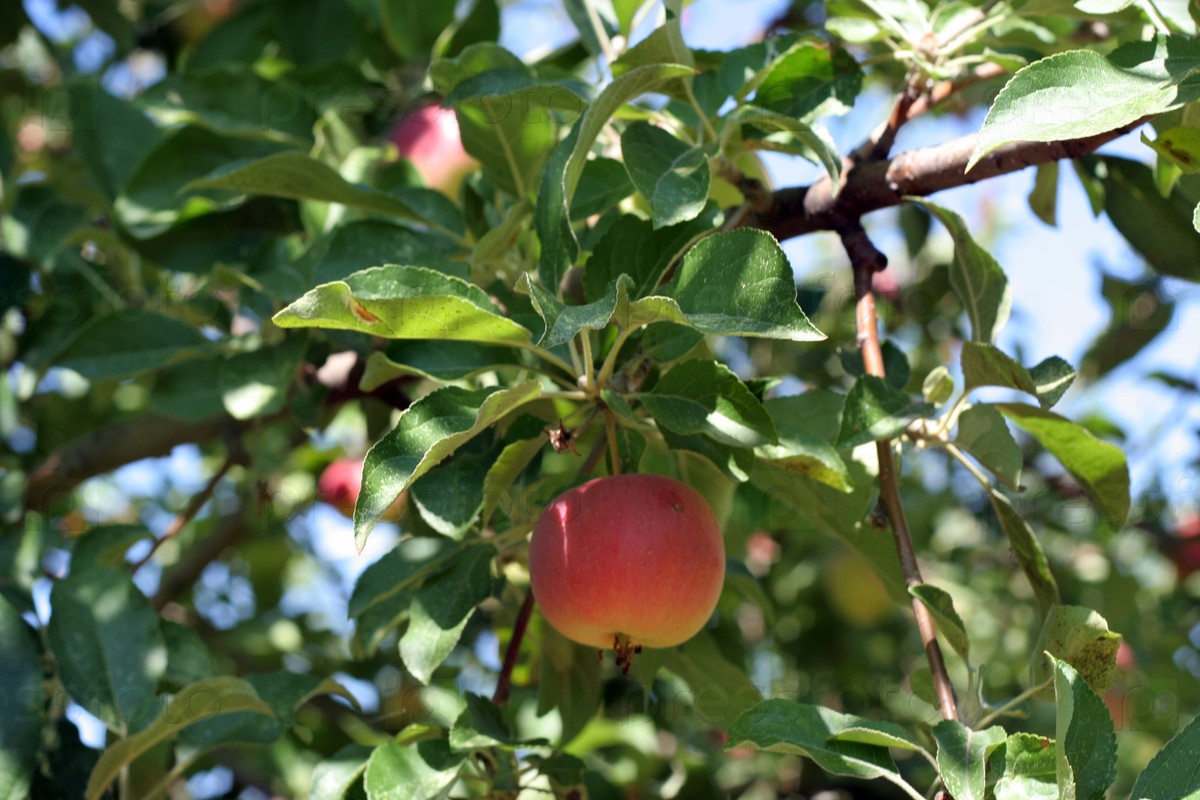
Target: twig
(500, 698)
(866, 260)
(879, 145)
(229, 531)
(882, 184)
(193, 508)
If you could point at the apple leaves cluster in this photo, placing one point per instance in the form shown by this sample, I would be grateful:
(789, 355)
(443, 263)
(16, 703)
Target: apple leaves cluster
(193, 257)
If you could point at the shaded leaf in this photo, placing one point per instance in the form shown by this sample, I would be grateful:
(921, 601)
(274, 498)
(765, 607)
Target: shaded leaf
(802, 447)
(1027, 550)
(411, 772)
(1099, 467)
(706, 397)
(976, 277)
(427, 432)
(941, 608)
(633, 246)
(721, 690)
(1080, 637)
(671, 175)
(962, 757)
(21, 712)
(1082, 93)
(1024, 768)
(1173, 773)
(1086, 756)
(984, 434)
(877, 410)
(118, 345)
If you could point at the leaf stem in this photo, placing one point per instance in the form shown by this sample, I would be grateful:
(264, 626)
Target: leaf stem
(550, 358)
(610, 360)
(610, 430)
(500, 697)
(1013, 703)
(866, 260)
(589, 369)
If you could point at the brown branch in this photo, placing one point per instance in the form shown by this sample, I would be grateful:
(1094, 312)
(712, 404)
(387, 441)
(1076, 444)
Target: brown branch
(500, 698)
(881, 184)
(105, 450)
(193, 508)
(866, 260)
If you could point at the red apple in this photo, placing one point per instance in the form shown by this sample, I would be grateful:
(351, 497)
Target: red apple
(429, 138)
(627, 561)
(340, 484)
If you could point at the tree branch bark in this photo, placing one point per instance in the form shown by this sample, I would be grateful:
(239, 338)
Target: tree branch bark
(873, 185)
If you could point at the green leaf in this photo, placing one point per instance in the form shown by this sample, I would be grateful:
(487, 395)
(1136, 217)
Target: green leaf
(256, 383)
(508, 121)
(21, 713)
(603, 184)
(1099, 467)
(441, 360)
(427, 432)
(188, 658)
(628, 86)
(737, 283)
(450, 496)
(877, 410)
(984, 434)
(815, 144)
(110, 133)
(552, 218)
(895, 364)
(671, 175)
(1160, 228)
(1027, 550)
(1082, 93)
(803, 448)
(224, 694)
(723, 693)
(497, 249)
(568, 682)
(401, 569)
(481, 725)
(360, 244)
(938, 385)
(1080, 637)
(976, 277)
(1087, 746)
(1172, 774)
(941, 608)
(809, 80)
(442, 607)
(781, 726)
(1043, 198)
(122, 344)
(513, 459)
(962, 757)
(298, 176)
(1025, 768)
(564, 322)
(341, 773)
(189, 390)
(421, 771)
(283, 693)
(879, 733)
(1180, 146)
(105, 637)
(400, 302)
(706, 397)
(632, 246)
(161, 192)
(411, 27)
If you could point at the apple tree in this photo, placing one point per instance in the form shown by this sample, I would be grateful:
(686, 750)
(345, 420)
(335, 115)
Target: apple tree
(268, 259)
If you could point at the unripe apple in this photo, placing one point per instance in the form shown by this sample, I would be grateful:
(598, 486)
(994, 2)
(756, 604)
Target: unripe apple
(340, 484)
(855, 592)
(429, 138)
(627, 561)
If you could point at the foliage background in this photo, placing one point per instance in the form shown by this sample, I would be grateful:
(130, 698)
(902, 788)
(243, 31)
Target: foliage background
(87, 230)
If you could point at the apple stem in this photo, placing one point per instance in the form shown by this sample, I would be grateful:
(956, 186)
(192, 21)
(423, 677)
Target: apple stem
(866, 260)
(500, 697)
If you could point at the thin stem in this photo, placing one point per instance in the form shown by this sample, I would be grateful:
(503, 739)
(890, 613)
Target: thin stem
(193, 508)
(958, 456)
(588, 366)
(610, 360)
(606, 46)
(500, 698)
(1156, 18)
(610, 431)
(550, 358)
(1011, 704)
(866, 260)
(695, 104)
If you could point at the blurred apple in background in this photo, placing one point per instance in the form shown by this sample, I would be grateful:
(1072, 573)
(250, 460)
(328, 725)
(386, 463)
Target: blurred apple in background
(340, 484)
(428, 137)
(855, 592)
